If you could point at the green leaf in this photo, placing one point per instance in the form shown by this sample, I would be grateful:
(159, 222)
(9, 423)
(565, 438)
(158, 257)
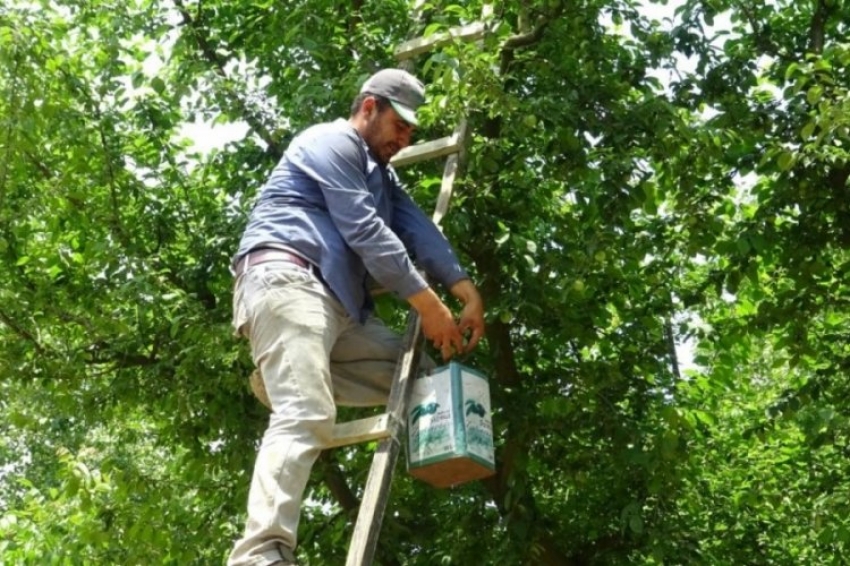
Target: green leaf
(432, 28)
(790, 70)
(814, 94)
(785, 160)
(158, 85)
(704, 417)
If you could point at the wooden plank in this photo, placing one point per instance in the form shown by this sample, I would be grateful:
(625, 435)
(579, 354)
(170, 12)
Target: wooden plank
(361, 430)
(419, 45)
(426, 150)
(364, 541)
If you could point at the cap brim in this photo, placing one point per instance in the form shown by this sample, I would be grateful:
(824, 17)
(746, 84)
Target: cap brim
(407, 114)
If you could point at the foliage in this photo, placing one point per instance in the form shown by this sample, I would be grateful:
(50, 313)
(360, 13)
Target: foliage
(631, 183)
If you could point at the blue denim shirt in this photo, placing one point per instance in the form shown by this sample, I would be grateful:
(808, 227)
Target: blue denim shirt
(329, 200)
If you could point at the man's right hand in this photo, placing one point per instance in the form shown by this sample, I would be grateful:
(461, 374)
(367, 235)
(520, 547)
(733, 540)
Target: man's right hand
(438, 324)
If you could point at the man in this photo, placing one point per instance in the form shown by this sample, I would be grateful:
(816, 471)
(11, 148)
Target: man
(332, 213)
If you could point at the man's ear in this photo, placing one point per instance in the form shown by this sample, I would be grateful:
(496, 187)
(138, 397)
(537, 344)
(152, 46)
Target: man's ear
(369, 105)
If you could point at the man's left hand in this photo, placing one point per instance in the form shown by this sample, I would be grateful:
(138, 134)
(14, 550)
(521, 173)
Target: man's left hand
(471, 323)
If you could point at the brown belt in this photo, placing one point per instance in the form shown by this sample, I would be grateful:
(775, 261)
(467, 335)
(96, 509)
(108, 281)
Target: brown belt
(263, 255)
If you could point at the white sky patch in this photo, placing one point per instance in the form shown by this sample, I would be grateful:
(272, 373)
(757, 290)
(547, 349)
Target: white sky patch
(207, 137)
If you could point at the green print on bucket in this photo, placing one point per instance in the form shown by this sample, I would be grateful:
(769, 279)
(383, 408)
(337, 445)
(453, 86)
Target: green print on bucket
(479, 437)
(422, 410)
(476, 408)
(429, 438)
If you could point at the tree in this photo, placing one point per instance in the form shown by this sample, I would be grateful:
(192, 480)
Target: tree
(606, 214)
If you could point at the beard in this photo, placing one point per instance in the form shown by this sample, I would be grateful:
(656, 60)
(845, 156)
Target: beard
(381, 149)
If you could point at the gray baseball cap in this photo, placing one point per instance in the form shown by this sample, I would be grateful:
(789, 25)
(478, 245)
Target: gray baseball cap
(404, 91)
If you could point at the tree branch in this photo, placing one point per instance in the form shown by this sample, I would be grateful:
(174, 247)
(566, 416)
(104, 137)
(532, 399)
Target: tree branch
(120, 360)
(335, 481)
(508, 376)
(118, 229)
(817, 31)
(761, 35)
(218, 63)
(21, 331)
(36, 162)
(671, 349)
(529, 38)
(13, 105)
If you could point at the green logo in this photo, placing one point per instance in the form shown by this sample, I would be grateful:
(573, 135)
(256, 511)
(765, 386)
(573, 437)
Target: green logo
(422, 410)
(476, 408)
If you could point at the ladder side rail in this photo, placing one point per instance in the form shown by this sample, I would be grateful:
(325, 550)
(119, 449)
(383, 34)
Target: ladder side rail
(370, 516)
(449, 174)
(460, 134)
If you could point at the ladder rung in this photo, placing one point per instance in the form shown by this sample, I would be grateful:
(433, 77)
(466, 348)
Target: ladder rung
(414, 47)
(427, 150)
(361, 430)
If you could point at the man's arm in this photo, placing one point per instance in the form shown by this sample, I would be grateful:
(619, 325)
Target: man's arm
(336, 161)
(427, 244)
(434, 253)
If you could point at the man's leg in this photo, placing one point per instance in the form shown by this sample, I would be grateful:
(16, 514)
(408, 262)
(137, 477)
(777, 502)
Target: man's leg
(292, 321)
(363, 362)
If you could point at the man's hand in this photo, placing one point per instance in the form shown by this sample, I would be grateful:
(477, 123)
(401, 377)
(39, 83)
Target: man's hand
(472, 316)
(438, 324)
(437, 321)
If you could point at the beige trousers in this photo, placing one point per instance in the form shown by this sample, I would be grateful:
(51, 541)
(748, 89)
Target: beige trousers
(312, 356)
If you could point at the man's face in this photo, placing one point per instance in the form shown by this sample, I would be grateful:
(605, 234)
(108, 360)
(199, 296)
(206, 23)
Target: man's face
(386, 133)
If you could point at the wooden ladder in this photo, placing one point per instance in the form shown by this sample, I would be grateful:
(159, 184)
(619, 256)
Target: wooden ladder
(389, 427)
